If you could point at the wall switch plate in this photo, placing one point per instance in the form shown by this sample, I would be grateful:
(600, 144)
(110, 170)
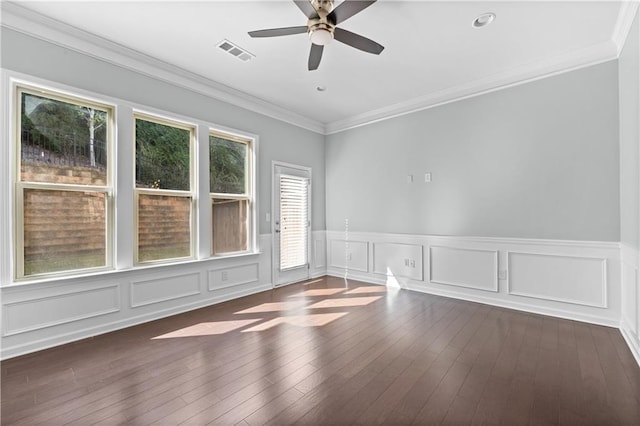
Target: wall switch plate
(409, 178)
(268, 217)
(502, 275)
(427, 177)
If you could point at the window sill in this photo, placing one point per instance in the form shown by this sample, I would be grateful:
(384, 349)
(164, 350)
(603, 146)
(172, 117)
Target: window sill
(69, 279)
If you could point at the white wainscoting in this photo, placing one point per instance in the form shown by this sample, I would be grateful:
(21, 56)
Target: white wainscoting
(161, 288)
(471, 268)
(582, 279)
(34, 313)
(398, 260)
(42, 314)
(222, 278)
(352, 255)
(570, 279)
(318, 256)
(630, 318)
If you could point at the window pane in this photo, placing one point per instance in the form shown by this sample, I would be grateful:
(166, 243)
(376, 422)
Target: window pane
(62, 142)
(229, 225)
(162, 156)
(227, 166)
(164, 227)
(63, 230)
(294, 221)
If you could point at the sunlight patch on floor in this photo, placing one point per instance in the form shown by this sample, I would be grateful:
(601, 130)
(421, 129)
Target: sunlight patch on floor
(371, 289)
(208, 329)
(311, 320)
(274, 307)
(318, 292)
(348, 301)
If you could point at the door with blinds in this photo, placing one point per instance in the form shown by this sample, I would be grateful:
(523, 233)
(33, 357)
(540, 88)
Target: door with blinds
(291, 223)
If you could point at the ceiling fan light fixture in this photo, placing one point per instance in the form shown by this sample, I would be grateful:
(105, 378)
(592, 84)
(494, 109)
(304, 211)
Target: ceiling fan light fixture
(483, 20)
(321, 36)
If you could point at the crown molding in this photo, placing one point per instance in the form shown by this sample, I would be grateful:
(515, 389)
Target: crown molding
(23, 20)
(628, 10)
(593, 55)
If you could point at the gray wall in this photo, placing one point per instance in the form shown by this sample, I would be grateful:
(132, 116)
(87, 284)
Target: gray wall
(278, 140)
(629, 81)
(537, 160)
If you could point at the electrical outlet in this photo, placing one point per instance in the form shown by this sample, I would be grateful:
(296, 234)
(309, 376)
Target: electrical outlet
(502, 274)
(427, 177)
(224, 276)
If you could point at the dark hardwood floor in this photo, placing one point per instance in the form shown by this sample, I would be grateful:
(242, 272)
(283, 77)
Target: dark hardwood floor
(333, 352)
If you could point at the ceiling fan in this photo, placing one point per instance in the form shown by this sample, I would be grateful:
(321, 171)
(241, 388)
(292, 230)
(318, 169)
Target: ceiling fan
(322, 27)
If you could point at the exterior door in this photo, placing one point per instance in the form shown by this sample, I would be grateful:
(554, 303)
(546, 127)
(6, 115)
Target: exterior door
(291, 223)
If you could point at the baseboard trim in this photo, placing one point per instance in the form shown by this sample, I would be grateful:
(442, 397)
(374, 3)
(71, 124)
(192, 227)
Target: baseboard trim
(632, 342)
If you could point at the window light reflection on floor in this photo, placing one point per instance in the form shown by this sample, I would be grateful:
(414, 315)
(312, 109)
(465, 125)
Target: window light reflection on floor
(208, 328)
(369, 289)
(311, 320)
(279, 310)
(347, 301)
(318, 292)
(274, 307)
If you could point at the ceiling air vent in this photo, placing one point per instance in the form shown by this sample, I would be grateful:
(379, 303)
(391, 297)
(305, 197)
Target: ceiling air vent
(235, 50)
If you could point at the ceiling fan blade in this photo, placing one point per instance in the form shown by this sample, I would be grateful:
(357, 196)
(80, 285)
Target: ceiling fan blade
(347, 9)
(306, 8)
(314, 56)
(276, 32)
(357, 41)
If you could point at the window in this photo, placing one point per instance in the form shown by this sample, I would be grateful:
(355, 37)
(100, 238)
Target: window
(63, 184)
(66, 193)
(294, 221)
(164, 189)
(230, 182)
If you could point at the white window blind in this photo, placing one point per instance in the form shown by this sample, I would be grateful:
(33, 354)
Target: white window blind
(294, 221)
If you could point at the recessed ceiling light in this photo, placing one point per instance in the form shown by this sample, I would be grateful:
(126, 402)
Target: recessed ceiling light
(483, 20)
(321, 88)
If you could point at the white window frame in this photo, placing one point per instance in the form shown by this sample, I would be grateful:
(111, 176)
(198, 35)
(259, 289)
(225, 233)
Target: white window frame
(248, 196)
(17, 88)
(121, 226)
(191, 194)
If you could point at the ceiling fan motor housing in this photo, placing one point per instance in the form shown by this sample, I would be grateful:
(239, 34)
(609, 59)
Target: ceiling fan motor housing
(320, 28)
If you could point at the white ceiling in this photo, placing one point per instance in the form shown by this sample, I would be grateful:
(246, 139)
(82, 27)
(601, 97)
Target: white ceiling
(432, 53)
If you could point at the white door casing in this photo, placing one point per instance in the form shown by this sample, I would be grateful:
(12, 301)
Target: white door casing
(291, 224)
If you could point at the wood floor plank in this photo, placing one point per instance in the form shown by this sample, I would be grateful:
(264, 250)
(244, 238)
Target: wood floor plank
(274, 407)
(441, 399)
(332, 351)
